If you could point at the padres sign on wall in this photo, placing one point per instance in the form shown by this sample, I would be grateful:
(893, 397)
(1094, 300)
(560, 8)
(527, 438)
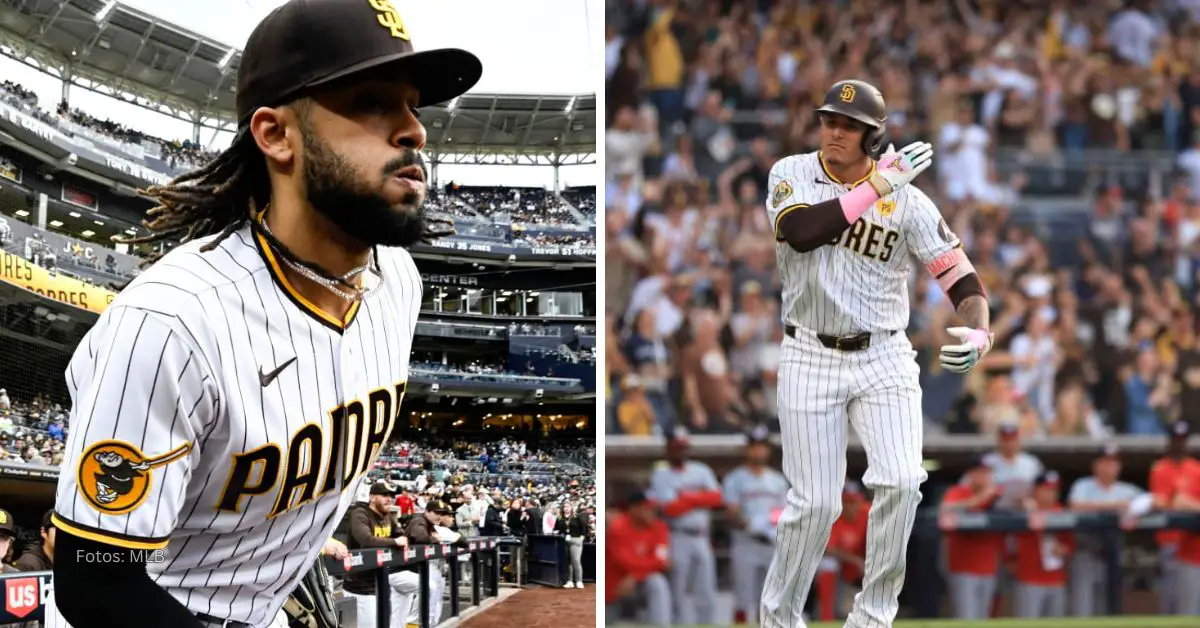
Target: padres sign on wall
(23, 273)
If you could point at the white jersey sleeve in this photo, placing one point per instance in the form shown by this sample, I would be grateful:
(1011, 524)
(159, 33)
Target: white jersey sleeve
(142, 397)
(732, 487)
(783, 182)
(926, 232)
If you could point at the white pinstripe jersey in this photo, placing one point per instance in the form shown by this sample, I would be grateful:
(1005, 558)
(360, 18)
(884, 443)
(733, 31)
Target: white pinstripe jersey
(859, 283)
(181, 439)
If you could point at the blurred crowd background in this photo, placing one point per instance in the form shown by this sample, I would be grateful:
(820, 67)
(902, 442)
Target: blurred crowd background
(1067, 138)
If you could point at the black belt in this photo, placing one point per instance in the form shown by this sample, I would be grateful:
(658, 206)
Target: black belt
(221, 621)
(857, 342)
(690, 531)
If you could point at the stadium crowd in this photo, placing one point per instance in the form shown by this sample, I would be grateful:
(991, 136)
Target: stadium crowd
(512, 206)
(704, 97)
(517, 206)
(180, 155)
(583, 199)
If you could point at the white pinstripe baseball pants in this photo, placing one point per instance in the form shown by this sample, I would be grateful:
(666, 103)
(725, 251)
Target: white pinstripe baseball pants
(822, 390)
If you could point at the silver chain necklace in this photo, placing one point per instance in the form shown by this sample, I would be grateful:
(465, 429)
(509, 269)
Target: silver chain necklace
(354, 293)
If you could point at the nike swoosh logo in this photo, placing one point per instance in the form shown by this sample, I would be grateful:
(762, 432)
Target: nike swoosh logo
(820, 182)
(266, 378)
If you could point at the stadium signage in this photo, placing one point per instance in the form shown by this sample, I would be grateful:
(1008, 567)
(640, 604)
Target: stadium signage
(135, 170)
(24, 471)
(36, 127)
(20, 272)
(573, 251)
(453, 280)
(459, 245)
(24, 597)
(479, 247)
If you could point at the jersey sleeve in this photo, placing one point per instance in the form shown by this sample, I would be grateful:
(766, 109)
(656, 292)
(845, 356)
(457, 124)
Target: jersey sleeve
(142, 396)
(927, 234)
(732, 488)
(782, 184)
(710, 478)
(660, 489)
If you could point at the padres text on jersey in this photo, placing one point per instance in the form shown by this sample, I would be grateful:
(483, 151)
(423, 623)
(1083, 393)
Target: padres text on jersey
(220, 416)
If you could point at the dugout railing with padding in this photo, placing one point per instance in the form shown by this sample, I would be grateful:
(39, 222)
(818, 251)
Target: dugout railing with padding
(925, 549)
(484, 559)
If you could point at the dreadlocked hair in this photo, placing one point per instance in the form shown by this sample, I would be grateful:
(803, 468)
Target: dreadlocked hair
(215, 199)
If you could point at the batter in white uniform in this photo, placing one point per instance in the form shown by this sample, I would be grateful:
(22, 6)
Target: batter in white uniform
(845, 226)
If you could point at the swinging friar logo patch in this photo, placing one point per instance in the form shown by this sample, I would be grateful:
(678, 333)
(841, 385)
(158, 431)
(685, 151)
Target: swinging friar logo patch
(781, 193)
(114, 476)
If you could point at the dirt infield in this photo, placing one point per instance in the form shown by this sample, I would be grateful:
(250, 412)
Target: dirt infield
(541, 608)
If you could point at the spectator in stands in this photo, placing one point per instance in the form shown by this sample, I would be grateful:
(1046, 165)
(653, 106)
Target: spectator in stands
(8, 532)
(55, 429)
(635, 415)
(372, 525)
(1168, 477)
(40, 557)
(465, 516)
(636, 563)
(708, 388)
(493, 519)
(1147, 388)
(648, 355)
(1036, 358)
(974, 557)
(1013, 470)
(1041, 561)
(517, 517)
(1100, 492)
(534, 515)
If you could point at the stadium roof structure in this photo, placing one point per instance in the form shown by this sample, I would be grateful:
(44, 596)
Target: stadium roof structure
(130, 55)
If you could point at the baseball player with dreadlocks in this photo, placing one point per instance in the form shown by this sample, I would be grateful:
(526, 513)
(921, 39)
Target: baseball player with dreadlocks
(229, 402)
(847, 222)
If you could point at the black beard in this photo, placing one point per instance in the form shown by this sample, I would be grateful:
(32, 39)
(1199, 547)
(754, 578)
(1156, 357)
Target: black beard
(336, 191)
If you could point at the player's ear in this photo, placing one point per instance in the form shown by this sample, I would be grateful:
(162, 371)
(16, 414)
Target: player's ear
(269, 128)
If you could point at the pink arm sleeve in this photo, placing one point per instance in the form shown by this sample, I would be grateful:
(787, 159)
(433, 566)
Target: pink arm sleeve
(949, 267)
(856, 202)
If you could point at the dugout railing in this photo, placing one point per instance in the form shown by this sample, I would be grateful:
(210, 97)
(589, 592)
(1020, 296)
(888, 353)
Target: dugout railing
(925, 550)
(484, 559)
(26, 593)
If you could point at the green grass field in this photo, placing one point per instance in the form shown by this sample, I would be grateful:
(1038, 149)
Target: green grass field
(1068, 622)
(1130, 621)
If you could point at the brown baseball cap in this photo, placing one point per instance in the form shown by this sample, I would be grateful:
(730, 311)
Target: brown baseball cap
(439, 507)
(308, 43)
(7, 525)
